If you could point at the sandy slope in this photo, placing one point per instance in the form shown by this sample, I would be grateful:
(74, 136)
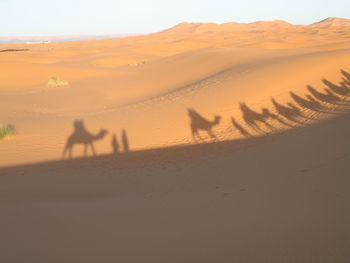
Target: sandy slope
(271, 187)
(281, 198)
(151, 101)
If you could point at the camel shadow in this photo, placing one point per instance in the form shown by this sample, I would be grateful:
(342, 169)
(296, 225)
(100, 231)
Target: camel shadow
(339, 90)
(290, 112)
(268, 114)
(197, 123)
(252, 118)
(309, 103)
(329, 97)
(81, 136)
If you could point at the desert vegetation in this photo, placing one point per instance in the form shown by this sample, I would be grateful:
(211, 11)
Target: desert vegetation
(56, 82)
(6, 130)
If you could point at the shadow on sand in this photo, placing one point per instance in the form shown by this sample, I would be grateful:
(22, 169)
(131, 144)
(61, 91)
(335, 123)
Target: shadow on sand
(198, 122)
(241, 130)
(253, 118)
(327, 97)
(308, 103)
(80, 135)
(114, 164)
(291, 115)
(288, 115)
(290, 112)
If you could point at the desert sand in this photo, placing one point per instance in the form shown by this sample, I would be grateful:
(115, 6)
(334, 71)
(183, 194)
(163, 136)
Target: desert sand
(264, 177)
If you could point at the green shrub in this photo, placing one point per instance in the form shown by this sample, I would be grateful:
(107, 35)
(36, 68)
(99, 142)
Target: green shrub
(56, 82)
(6, 130)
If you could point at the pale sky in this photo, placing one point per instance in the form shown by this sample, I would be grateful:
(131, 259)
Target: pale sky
(67, 17)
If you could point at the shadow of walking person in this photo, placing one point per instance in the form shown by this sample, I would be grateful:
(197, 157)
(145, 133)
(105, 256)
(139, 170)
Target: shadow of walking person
(81, 136)
(125, 141)
(115, 144)
(241, 130)
(200, 123)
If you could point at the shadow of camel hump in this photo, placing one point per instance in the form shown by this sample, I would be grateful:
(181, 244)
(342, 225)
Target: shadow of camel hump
(81, 136)
(200, 123)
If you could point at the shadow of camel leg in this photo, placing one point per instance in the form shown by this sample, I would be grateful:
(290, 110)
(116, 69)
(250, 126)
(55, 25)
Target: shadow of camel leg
(70, 152)
(255, 127)
(198, 137)
(64, 152)
(211, 134)
(268, 125)
(194, 133)
(85, 150)
(93, 148)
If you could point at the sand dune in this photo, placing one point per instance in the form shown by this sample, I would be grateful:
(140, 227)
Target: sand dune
(262, 199)
(161, 91)
(263, 180)
(332, 22)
